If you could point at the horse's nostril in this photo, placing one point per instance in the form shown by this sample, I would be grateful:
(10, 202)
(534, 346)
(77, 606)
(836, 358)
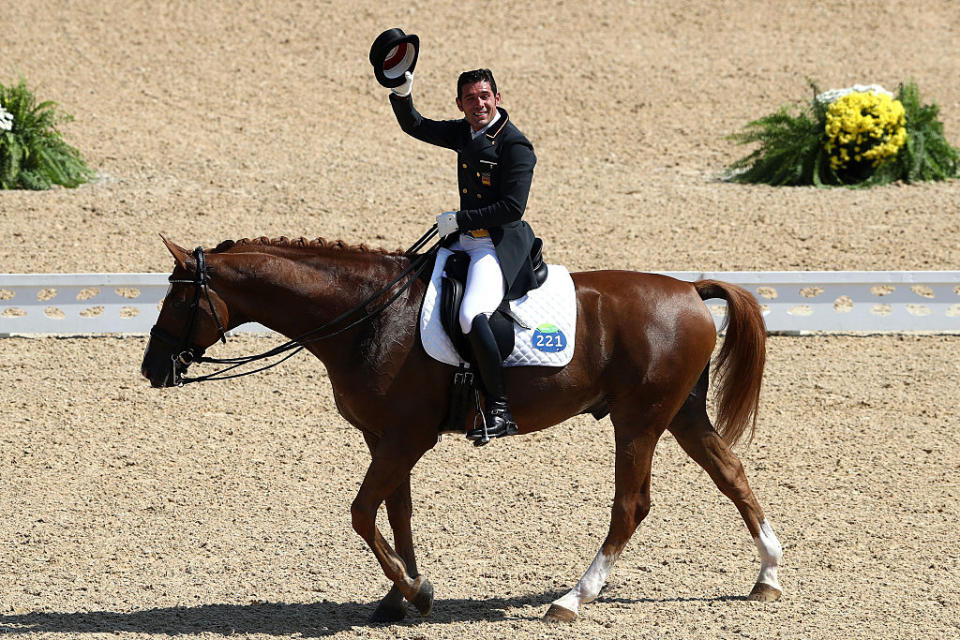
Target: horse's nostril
(155, 381)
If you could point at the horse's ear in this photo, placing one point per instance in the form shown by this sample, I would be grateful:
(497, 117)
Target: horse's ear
(181, 255)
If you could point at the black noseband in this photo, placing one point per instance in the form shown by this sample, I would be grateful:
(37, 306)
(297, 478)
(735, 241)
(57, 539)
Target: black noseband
(183, 353)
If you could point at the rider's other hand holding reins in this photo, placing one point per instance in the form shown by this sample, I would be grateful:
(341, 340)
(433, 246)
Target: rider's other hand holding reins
(447, 223)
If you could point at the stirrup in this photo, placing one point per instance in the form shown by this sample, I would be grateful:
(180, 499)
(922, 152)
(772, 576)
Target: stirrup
(479, 434)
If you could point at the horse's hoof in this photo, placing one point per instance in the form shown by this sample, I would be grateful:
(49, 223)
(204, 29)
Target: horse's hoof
(389, 613)
(556, 613)
(762, 592)
(423, 601)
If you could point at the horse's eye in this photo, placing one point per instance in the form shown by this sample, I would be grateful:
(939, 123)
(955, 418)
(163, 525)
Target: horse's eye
(176, 303)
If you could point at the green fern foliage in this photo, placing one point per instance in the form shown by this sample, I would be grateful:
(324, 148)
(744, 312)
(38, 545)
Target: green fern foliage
(33, 153)
(927, 155)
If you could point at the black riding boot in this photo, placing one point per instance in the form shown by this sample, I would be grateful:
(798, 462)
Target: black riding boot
(496, 413)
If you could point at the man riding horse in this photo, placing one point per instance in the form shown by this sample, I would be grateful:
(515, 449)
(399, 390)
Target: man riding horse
(494, 168)
(649, 373)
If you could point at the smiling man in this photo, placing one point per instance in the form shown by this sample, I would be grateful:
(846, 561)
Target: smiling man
(494, 169)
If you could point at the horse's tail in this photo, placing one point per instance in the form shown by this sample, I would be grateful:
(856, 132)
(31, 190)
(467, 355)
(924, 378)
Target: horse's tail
(738, 368)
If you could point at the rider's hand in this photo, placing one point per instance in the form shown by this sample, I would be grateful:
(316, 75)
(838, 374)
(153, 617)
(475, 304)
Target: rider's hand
(404, 90)
(447, 223)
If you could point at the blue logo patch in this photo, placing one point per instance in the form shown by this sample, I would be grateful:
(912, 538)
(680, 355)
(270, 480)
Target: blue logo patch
(549, 338)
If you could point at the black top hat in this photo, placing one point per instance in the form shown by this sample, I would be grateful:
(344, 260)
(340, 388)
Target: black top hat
(392, 54)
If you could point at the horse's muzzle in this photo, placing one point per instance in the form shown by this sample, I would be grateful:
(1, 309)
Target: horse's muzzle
(159, 377)
(159, 368)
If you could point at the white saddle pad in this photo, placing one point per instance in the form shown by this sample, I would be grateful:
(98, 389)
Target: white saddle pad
(549, 311)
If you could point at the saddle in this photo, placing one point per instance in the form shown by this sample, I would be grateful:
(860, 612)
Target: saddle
(464, 387)
(454, 282)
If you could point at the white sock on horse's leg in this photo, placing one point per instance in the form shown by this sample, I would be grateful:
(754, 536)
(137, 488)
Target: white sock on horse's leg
(588, 587)
(770, 555)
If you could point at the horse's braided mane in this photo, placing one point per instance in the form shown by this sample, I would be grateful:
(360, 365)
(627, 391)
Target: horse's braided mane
(302, 243)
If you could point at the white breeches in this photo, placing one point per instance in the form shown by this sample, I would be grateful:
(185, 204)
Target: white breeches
(485, 288)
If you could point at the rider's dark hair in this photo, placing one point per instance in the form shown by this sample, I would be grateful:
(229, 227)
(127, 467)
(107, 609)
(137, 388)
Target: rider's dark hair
(477, 75)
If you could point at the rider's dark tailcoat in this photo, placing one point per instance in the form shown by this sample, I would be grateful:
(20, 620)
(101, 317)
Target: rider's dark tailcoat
(494, 172)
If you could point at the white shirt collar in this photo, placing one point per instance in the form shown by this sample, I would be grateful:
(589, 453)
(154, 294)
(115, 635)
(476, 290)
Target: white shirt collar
(474, 134)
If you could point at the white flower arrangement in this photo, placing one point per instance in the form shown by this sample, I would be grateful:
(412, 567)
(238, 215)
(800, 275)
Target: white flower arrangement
(833, 95)
(6, 119)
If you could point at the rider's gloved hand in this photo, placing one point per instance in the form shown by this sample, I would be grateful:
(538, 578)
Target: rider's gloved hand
(447, 223)
(404, 90)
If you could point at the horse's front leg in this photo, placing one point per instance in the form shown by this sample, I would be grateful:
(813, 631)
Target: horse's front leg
(388, 478)
(393, 606)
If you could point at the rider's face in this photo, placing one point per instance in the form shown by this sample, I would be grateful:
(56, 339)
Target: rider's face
(478, 103)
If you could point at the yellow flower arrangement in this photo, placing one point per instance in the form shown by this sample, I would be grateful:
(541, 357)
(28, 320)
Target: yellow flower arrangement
(864, 127)
(860, 136)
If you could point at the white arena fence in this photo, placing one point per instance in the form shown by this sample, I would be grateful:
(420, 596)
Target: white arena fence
(794, 302)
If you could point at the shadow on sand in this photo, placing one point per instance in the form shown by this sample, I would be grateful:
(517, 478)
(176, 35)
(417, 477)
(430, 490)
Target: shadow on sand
(312, 620)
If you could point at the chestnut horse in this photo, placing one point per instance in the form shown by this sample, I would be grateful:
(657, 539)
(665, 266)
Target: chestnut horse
(642, 355)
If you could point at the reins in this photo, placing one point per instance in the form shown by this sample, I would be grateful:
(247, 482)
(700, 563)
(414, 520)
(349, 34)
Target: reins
(417, 266)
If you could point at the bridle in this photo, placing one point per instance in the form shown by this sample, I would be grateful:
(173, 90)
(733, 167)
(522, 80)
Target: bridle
(185, 354)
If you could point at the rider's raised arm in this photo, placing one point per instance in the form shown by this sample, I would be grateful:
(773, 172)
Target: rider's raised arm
(443, 133)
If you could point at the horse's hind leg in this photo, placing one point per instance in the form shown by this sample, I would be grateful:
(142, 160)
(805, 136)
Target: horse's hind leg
(692, 429)
(631, 503)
